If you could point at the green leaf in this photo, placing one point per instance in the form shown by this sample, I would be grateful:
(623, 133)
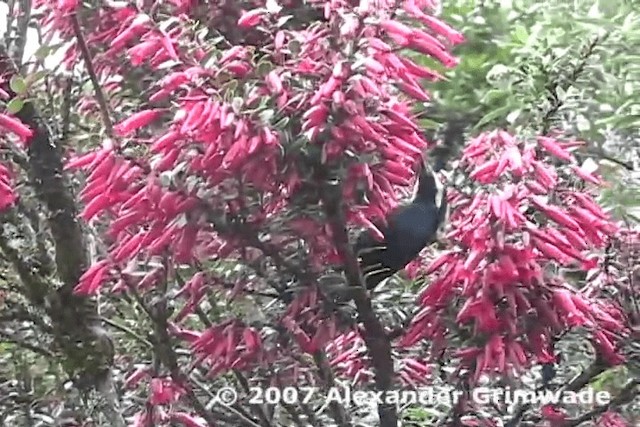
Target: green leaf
(166, 24)
(622, 122)
(273, 7)
(493, 115)
(582, 123)
(15, 105)
(264, 67)
(168, 64)
(498, 71)
(209, 59)
(282, 123)
(521, 34)
(283, 20)
(493, 95)
(18, 85)
(181, 220)
(42, 52)
(428, 124)
(229, 87)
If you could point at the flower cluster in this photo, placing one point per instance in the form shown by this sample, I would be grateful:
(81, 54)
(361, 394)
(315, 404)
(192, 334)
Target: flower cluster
(515, 224)
(348, 357)
(261, 137)
(229, 155)
(9, 126)
(250, 108)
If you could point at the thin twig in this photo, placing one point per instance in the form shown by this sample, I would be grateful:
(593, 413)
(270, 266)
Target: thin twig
(23, 26)
(88, 62)
(576, 384)
(127, 331)
(165, 351)
(552, 87)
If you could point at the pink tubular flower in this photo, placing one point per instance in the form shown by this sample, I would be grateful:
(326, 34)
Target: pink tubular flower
(136, 121)
(228, 345)
(565, 301)
(585, 175)
(143, 51)
(91, 281)
(424, 46)
(136, 377)
(346, 354)
(141, 419)
(442, 28)
(414, 91)
(230, 173)
(554, 415)
(67, 6)
(414, 372)
(552, 147)
(164, 391)
(136, 26)
(15, 126)
(397, 28)
(251, 18)
(274, 82)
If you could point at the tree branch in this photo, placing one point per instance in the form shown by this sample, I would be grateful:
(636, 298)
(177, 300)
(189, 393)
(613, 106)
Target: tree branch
(88, 63)
(553, 86)
(23, 26)
(375, 338)
(163, 348)
(77, 328)
(47, 177)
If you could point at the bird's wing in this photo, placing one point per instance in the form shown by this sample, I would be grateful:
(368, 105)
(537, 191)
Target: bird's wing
(367, 244)
(371, 255)
(412, 230)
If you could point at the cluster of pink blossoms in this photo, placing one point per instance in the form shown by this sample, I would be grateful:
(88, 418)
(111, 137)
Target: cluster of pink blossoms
(517, 219)
(234, 134)
(227, 133)
(216, 141)
(9, 126)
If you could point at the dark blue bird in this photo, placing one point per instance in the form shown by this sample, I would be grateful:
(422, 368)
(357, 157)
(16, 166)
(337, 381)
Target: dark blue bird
(409, 229)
